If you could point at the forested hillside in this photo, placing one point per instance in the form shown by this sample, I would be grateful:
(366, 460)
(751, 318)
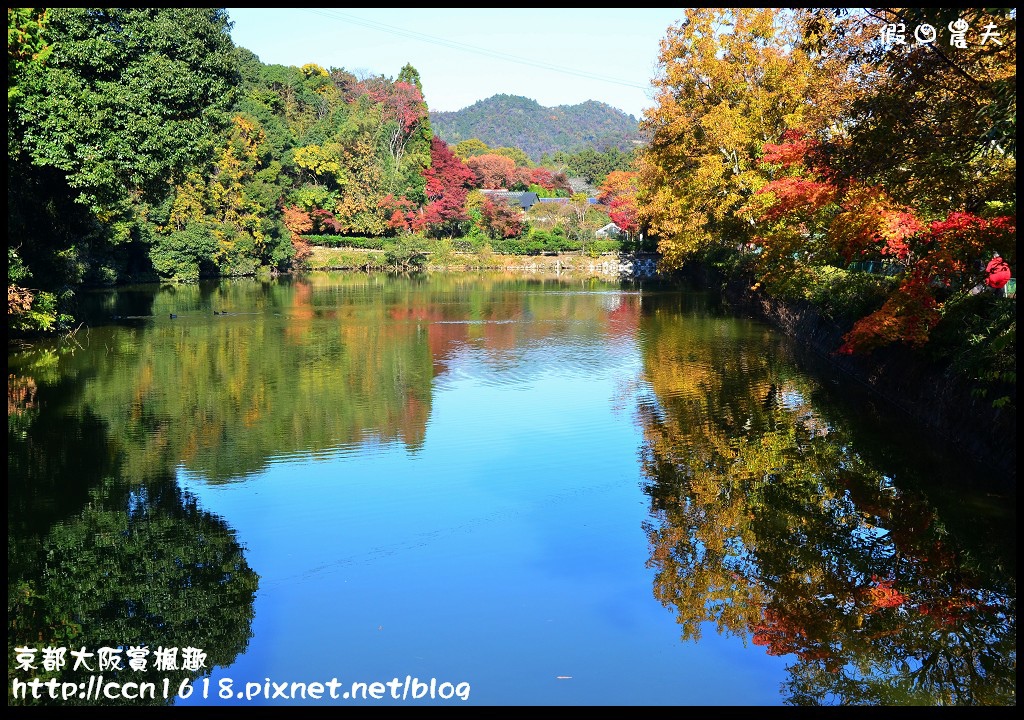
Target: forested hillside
(515, 121)
(143, 145)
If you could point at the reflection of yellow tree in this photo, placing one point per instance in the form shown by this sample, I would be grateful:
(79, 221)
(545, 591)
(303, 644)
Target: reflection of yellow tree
(769, 521)
(21, 394)
(222, 394)
(701, 499)
(307, 365)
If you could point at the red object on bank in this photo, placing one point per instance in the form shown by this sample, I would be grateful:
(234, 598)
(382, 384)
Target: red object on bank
(998, 273)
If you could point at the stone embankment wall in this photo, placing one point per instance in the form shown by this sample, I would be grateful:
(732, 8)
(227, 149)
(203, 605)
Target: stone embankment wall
(608, 265)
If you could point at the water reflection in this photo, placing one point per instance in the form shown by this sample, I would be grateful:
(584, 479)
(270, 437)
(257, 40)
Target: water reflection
(453, 459)
(324, 362)
(98, 558)
(772, 522)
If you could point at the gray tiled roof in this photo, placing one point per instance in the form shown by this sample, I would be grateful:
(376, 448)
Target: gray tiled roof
(525, 200)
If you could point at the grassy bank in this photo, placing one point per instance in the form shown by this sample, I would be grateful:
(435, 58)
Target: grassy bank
(327, 258)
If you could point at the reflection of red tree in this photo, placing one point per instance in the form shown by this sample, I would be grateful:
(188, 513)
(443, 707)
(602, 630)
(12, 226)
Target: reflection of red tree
(412, 425)
(882, 595)
(777, 634)
(625, 318)
(498, 328)
(417, 313)
(443, 339)
(952, 610)
(301, 313)
(784, 635)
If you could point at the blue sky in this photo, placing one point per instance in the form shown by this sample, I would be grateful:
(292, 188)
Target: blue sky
(556, 56)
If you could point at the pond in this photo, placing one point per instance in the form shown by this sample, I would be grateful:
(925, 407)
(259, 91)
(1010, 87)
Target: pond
(483, 489)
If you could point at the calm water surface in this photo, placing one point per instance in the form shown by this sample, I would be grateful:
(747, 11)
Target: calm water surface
(539, 491)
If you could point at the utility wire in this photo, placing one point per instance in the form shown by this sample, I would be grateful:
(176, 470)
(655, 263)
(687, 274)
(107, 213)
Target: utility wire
(422, 37)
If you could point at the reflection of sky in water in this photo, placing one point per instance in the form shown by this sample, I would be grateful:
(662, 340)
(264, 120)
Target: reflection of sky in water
(455, 489)
(506, 551)
(792, 399)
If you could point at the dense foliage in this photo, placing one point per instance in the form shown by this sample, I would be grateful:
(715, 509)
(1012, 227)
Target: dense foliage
(144, 145)
(772, 521)
(811, 147)
(806, 147)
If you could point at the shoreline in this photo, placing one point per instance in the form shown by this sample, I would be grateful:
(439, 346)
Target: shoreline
(939, 402)
(610, 264)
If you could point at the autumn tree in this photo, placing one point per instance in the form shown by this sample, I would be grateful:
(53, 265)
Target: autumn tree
(297, 222)
(545, 181)
(500, 220)
(934, 123)
(405, 119)
(946, 261)
(492, 171)
(400, 213)
(448, 182)
(729, 81)
(225, 223)
(805, 220)
(618, 193)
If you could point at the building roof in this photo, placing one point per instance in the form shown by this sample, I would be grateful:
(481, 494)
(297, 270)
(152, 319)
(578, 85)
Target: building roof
(525, 200)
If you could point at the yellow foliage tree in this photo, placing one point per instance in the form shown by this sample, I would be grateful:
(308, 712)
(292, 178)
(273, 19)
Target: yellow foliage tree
(729, 81)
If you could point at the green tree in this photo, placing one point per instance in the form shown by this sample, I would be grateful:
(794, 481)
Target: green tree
(471, 148)
(25, 45)
(518, 156)
(129, 101)
(27, 309)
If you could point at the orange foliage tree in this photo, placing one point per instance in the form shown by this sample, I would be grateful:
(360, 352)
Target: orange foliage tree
(618, 192)
(297, 221)
(804, 217)
(492, 171)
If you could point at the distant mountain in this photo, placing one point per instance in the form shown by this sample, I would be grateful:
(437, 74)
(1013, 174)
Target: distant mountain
(516, 121)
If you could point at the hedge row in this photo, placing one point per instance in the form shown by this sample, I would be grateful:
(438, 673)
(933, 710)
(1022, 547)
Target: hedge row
(535, 243)
(365, 243)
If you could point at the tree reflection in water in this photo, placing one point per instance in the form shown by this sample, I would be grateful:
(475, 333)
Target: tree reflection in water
(772, 523)
(97, 558)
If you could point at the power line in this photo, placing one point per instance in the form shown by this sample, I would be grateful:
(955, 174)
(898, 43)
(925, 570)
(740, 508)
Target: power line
(451, 44)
